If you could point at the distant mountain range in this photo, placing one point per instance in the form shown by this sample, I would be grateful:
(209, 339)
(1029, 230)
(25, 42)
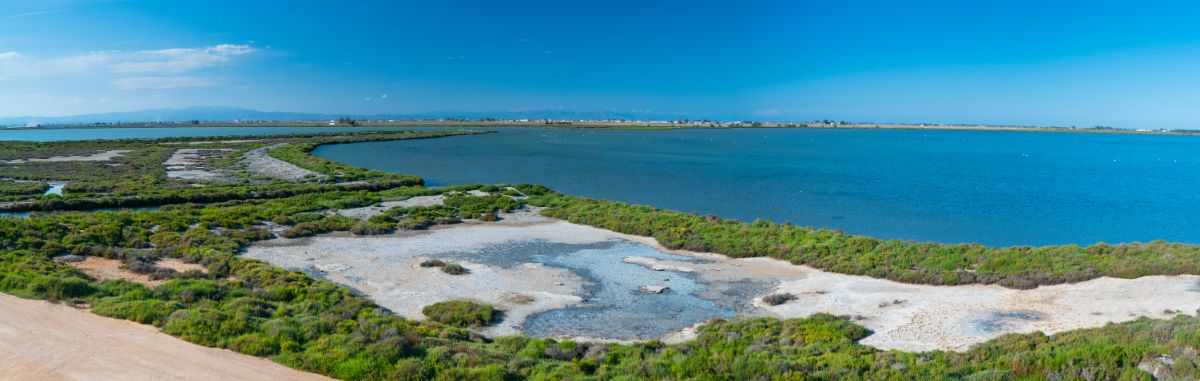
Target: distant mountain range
(224, 114)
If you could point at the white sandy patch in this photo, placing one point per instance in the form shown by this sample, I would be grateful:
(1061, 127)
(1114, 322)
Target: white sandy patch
(657, 265)
(918, 317)
(43, 341)
(189, 164)
(258, 162)
(99, 156)
(366, 212)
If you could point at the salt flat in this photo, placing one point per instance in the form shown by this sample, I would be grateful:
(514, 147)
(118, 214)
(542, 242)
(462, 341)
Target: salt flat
(699, 286)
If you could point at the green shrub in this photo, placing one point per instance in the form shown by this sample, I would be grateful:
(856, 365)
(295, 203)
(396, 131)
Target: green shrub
(454, 269)
(254, 344)
(61, 288)
(151, 311)
(777, 299)
(433, 263)
(460, 313)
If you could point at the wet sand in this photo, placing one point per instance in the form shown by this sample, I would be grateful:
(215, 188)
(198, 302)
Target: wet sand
(43, 341)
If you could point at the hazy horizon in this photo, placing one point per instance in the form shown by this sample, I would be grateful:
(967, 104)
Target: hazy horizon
(1025, 63)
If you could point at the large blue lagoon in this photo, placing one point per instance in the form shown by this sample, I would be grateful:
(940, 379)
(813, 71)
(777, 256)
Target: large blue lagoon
(991, 187)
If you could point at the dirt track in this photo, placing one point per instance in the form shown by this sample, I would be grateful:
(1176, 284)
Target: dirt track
(43, 341)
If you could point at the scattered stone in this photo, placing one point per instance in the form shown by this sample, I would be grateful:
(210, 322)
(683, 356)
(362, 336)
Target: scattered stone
(654, 289)
(1159, 367)
(891, 303)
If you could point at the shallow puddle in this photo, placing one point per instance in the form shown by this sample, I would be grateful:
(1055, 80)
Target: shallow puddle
(620, 301)
(1003, 321)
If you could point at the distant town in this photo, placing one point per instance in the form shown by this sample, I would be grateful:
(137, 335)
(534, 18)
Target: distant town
(600, 123)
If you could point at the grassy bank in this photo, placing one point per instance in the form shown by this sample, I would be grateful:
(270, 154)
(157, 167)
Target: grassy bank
(903, 261)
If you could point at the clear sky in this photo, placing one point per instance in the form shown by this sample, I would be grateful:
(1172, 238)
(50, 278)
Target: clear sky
(1120, 63)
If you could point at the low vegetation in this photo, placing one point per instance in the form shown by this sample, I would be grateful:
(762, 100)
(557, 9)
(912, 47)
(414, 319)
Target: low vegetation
(454, 269)
(138, 177)
(432, 263)
(904, 261)
(460, 313)
(777, 299)
(456, 207)
(311, 324)
(15, 188)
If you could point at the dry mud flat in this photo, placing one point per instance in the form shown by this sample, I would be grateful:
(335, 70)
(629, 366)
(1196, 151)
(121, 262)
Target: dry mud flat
(559, 279)
(189, 164)
(99, 156)
(43, 341)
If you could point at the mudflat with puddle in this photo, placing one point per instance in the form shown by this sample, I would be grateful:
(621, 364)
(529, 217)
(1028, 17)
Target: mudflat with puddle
(556, 279)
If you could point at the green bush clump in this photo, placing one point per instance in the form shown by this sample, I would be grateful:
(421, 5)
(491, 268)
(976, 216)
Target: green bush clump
(460, 313)
(15, 188)
(320, 226)
(57, 288)
(777, 299)
(433, 263)
(454, 269)
(145, 311)
(469, 206)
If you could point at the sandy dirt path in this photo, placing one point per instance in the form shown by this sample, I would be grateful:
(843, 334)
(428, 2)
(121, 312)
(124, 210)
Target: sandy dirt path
(43, 341)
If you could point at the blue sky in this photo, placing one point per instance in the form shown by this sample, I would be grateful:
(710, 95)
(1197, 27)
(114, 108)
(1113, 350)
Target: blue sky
(1001, 62)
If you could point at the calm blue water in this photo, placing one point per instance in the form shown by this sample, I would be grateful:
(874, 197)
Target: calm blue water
(56, 134)
(992, 187)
